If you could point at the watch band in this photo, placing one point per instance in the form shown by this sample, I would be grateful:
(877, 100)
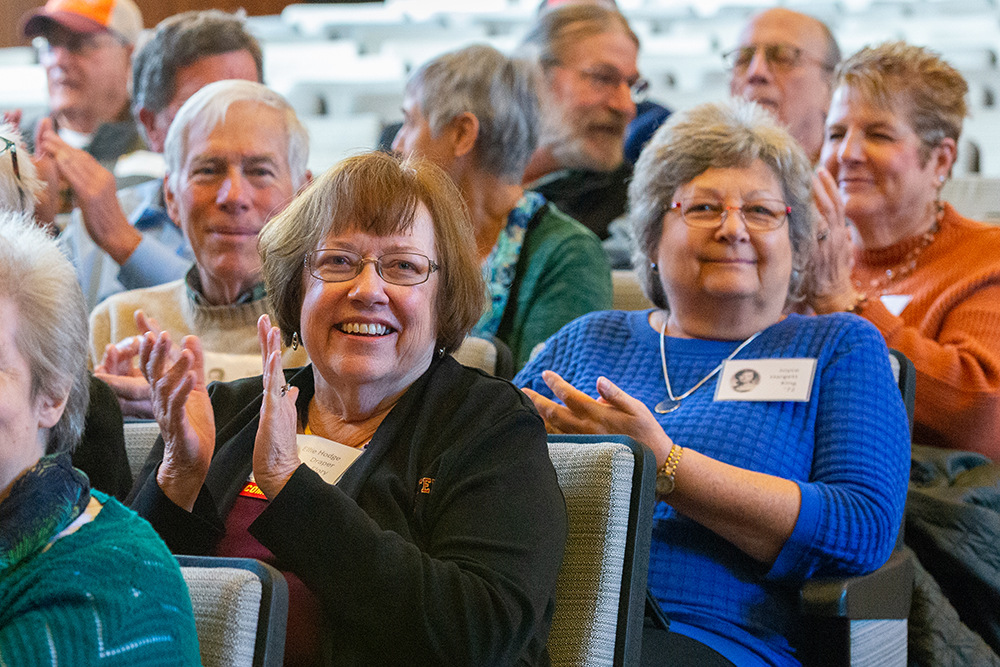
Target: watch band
(666, 474)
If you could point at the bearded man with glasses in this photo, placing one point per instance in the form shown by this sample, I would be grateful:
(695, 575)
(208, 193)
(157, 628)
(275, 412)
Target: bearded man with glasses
(588, 92)
(785, 62)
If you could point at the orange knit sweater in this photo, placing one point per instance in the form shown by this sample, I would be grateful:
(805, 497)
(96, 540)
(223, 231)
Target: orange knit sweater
(950, 330)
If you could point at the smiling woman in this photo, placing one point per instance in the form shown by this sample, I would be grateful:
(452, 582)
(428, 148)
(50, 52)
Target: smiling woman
(758, 478)
(449, 526)
(928, 278)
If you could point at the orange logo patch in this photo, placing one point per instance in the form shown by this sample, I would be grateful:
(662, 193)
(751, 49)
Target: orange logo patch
(425, 484)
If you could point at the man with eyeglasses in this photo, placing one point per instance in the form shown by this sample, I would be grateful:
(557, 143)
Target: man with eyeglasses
(588, 91)
(86, 47)
(126, 240)
(785, 62)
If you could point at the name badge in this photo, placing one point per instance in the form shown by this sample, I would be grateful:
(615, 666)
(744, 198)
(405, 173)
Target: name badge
(766, 380)
(327, 458)
(895, 303)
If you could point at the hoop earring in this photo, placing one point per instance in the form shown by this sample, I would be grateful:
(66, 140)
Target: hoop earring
(295, 340)
(441, 352)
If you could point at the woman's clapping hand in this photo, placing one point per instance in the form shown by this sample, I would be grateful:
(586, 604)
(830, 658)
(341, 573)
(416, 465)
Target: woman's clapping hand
(614, 412)
(182, 408)
(275, 451)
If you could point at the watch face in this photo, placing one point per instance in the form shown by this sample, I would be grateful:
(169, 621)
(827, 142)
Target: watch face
(664, 484)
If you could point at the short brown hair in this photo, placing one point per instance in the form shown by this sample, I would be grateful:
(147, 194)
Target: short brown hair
(896, 72)
(376, 193)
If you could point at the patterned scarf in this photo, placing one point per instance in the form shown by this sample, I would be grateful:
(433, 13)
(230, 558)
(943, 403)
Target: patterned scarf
(501, 265)
(42, 502)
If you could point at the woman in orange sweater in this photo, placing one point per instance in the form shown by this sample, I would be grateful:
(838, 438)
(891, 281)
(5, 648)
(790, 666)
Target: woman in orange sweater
(928, 278)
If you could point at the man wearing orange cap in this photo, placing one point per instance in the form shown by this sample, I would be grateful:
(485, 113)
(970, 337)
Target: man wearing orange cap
(86, 49)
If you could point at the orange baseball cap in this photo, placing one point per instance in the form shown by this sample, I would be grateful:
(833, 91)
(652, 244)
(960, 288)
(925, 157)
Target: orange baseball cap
(121, 17)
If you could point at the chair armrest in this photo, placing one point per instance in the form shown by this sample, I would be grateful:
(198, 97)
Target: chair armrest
(882, 594)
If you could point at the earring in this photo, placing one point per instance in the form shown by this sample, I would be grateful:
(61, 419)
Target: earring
(654, 267)
(941, 179)
(295, 340)
(441, 352)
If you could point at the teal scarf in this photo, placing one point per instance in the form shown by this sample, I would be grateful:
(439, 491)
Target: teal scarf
(42, 502)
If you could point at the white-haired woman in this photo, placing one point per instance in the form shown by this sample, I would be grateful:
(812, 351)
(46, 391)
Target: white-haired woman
(764, 483)
(101, 452)
(83, 580)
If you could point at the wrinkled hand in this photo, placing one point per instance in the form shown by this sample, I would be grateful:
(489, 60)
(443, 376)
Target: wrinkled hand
(614, 412)
(119, 371)
(829, 287)
(94, 188)
(183, 411)
(275, 450)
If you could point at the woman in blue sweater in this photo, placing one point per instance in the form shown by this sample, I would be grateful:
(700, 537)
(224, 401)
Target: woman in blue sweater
(782, 440)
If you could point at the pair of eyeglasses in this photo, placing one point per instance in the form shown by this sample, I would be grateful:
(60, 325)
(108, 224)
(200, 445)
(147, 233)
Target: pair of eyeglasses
(80, 44)
(607, 80)
(782, 57)
(337, 265)
(11, 147)
(760, 215)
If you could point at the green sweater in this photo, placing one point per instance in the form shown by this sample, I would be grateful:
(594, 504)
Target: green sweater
(108, 594)
(562, 273)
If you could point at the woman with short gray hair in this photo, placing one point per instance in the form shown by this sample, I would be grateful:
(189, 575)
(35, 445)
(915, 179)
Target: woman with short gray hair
(71, 558)
(759, 479)
(473, 112)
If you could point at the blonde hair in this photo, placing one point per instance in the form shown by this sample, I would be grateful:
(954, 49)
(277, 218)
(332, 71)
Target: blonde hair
(914, 80)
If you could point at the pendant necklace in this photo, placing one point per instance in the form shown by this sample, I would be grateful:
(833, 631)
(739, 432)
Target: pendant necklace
(671, 402)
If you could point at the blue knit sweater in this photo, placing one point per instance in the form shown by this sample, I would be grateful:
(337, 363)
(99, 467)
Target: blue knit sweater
(847, 449)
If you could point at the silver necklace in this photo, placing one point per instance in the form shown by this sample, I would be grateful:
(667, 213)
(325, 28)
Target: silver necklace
(671, 402)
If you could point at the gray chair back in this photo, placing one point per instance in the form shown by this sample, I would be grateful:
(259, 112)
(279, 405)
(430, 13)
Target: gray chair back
(240, 610)
(609, 485)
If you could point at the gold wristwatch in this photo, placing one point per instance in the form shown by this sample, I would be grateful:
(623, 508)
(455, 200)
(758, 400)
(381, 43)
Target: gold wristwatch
(665, 475)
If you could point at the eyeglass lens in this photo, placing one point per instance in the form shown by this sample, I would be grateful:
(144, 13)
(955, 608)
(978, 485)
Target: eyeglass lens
(762, 215)
(336, 265)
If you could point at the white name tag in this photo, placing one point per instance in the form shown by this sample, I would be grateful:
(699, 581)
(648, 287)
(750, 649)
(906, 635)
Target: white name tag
(766, 380)
(224, 367)
(895, 303)
(327, 458)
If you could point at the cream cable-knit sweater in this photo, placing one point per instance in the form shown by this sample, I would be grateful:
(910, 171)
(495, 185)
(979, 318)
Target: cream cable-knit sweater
(226, 330)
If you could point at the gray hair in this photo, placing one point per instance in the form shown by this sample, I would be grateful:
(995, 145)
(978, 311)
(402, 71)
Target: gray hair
(18, 194)
(720, 135)
(498, 90)
(208, 107)
(555, 29)
(52, 331)
(179, 41)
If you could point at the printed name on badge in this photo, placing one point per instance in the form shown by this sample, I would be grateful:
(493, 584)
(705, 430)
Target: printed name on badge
(766, 380)
(327, 458)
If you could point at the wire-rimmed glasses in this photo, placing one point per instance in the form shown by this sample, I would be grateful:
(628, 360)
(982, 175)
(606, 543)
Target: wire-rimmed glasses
(606, 80)
(778, 56)
(337, 265)
(759, 215)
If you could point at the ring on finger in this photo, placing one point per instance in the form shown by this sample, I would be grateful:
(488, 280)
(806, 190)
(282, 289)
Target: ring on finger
(284, 389)
(822, 236)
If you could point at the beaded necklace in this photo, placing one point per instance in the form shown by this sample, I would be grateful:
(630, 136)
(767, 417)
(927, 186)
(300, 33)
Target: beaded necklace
(880, 284)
